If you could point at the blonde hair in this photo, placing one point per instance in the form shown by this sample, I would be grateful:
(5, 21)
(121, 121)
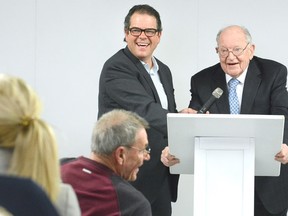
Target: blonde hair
(35, 153)
(4, 212)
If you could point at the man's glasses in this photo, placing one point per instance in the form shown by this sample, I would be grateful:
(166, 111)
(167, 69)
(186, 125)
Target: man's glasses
(146, 150)
(237, 51)
(149, 32)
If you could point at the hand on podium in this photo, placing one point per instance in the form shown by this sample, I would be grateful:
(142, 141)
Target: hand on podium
(188, 111)
(167, 159)
(282, 156)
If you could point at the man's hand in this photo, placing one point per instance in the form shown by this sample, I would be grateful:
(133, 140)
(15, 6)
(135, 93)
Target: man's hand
(167, 159)
(282, 156)
(189, 111)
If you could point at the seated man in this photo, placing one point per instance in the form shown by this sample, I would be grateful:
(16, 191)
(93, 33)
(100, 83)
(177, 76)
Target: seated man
(20, 196)
(119, 147)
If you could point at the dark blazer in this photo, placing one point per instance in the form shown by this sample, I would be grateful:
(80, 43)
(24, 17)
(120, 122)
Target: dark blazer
(23, 197)
(264, 93)
(125, 84)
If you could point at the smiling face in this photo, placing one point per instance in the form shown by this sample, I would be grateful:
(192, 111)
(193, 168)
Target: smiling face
(234, 38)
(133, 158)
(142, 46)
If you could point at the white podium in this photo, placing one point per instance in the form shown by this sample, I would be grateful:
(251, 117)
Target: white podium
(225, 152)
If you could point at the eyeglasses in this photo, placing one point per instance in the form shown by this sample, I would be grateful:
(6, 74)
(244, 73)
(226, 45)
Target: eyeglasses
(149, 32)
(237, 51)
(146, 150)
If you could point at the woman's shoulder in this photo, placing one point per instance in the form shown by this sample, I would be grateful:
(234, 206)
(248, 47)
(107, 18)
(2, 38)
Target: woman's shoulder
(67, 202)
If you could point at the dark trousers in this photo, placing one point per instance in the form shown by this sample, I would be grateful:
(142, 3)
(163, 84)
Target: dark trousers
(162, 205)
(260, 210)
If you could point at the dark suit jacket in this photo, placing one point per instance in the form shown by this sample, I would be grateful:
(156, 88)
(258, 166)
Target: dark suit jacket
(264, 93)
(23, 197)
(125, 84)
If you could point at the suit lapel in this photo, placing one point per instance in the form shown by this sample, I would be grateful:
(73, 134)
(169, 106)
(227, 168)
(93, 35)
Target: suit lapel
(251, 85)
(222, 103)
(143, 73)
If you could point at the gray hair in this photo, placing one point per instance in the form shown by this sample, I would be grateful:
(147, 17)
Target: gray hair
(245, 31)
(116, 128)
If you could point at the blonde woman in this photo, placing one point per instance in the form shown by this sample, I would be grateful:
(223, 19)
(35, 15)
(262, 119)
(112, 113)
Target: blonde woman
(28, 146)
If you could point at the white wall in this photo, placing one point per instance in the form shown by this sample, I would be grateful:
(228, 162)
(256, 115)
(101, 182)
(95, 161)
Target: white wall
(59, 47)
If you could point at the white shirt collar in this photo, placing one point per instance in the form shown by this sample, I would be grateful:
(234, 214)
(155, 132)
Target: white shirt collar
(154, 69)
(241, 78)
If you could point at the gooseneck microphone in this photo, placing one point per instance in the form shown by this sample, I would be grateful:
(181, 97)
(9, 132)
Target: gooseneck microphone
(216, 94)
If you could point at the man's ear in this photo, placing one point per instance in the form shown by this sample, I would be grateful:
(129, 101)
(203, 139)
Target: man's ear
(251, 50)
(120, 155)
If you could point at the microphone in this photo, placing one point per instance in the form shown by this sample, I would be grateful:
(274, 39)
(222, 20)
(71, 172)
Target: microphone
(216, 94)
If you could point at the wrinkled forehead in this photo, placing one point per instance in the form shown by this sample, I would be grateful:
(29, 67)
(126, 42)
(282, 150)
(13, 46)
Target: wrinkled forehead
(143, 20)
(232, 37)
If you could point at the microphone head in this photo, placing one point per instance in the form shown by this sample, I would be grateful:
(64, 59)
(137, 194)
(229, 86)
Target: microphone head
(217, 92)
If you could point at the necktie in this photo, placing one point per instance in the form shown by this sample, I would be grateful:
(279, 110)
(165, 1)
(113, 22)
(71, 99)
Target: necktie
(233, 99)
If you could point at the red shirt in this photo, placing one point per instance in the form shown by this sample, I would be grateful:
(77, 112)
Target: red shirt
(101, 192)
